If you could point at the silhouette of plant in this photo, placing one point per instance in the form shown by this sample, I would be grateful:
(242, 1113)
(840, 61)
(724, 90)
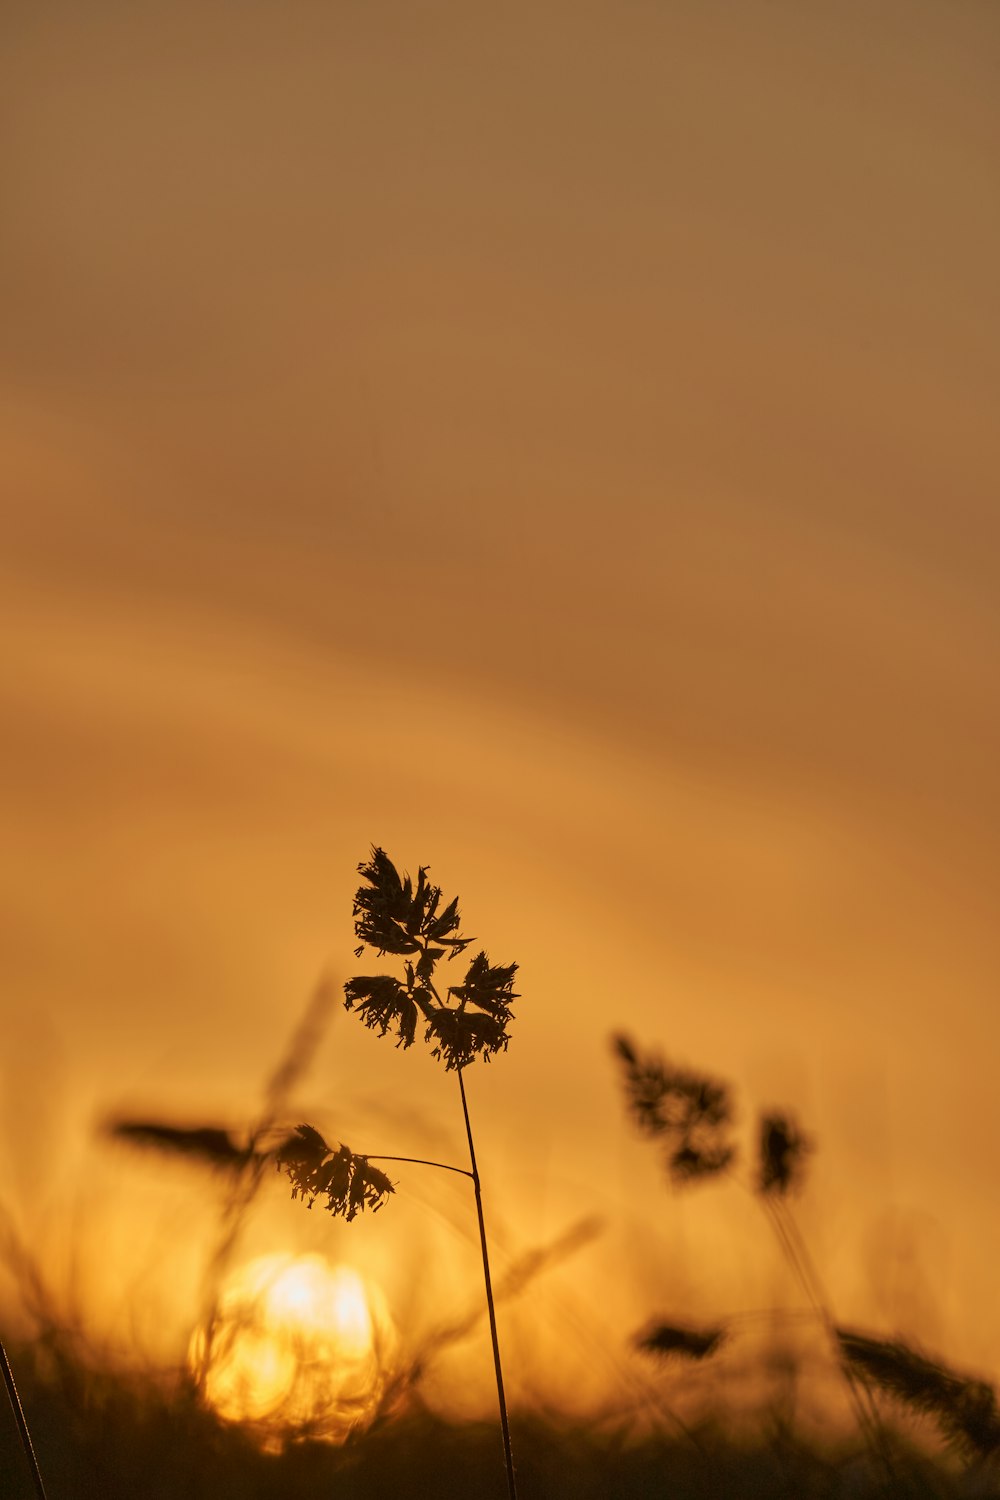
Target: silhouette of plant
(687, 1111)
(395, 915)
(209, 1144)
(691, 1113)
(21, 1422)
(671, 1340)
(965, 1409)
(392, 914)
(783, 1149)
(348, 1182)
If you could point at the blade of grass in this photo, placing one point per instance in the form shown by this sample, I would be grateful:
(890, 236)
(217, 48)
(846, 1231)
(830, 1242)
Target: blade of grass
(22, 1424)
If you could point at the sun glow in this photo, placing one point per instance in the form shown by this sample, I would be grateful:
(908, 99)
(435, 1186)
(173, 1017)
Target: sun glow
(300, 1348)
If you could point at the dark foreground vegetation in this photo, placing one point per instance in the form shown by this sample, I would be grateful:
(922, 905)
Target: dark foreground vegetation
(106, 1436)
(101, 1434)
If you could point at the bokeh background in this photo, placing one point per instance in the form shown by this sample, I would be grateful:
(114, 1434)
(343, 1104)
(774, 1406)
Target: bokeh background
(559, 444)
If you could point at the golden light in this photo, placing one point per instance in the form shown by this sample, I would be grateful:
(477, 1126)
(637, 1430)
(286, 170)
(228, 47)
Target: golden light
(300, 1349)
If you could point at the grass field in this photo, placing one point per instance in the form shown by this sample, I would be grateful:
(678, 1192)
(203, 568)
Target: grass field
(103, 1434)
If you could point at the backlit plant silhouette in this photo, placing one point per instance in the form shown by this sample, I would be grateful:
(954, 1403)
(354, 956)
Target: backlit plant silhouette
(964, 1408)
(349, 1183)
(461, 1022)
(24, 1435)
(687, 1112)
(690, 1114)
(391, 915)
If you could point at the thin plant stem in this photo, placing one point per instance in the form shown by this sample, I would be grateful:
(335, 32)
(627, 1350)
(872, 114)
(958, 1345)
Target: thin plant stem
(798, 1241)
(419, 1161)
(505, 1427)
(22, 1425)
(797, 1252)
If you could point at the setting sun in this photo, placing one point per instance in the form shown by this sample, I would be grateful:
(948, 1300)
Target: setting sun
(301, 1347)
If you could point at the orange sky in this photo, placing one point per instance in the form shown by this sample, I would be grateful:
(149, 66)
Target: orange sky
(558, 444)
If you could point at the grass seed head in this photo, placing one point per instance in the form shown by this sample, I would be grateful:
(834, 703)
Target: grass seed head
(965, 1409)
(783, 1149)
(392, 914)
(674, 1341)
(349, 1183)
(689, 1112)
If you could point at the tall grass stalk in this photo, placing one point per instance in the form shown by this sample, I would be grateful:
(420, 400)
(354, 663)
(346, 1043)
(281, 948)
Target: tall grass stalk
(783, 1150)
(22, 1424)
(796, 1253)
(473, 1175)
(504, 1423)
(396, 915)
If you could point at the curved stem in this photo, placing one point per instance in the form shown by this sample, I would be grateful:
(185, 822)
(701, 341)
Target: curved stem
(474, 1174)
(22, 1425)
(418, 1161)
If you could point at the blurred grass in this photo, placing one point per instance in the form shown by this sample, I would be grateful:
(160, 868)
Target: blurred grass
(103, 1434)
